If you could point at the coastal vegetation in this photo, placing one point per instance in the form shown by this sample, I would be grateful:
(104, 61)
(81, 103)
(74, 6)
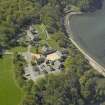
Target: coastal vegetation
(78, 84)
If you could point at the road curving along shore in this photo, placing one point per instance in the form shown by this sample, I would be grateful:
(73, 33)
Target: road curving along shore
(91, 59)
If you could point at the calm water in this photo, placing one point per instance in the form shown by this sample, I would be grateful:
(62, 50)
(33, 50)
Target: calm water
(89, 32)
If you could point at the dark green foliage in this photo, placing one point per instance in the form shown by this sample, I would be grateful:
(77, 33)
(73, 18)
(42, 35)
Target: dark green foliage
(78, 85)
(15, 14)
(66, 89)
(90, 5)
(19, 69)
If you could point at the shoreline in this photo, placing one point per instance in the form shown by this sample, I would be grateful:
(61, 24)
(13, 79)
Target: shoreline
(91, 60)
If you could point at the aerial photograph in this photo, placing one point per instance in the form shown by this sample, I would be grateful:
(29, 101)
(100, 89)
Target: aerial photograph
(52, 52)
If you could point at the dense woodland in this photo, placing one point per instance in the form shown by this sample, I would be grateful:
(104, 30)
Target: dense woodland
(17, 14)
(79, 84)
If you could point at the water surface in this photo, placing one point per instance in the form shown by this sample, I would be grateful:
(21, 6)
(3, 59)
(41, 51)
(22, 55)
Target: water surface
(89, 33)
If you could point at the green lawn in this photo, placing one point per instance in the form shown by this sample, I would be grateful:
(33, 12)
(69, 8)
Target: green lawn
(10, 93)
(53, 44)
(41, 31)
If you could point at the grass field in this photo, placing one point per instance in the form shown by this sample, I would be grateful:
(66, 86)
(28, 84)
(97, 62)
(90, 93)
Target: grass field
(41, 31)
(10, 94)
(18, 49)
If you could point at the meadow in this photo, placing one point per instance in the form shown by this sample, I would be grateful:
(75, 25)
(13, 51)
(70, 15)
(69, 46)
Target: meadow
(10, 93)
